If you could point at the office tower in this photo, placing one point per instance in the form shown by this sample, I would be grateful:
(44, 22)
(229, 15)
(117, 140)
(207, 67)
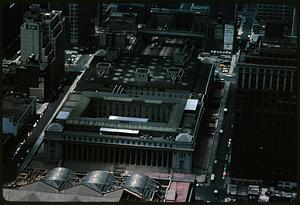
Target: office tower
(82, 19)
(42, 52)
(274, 12)
(264, 142)
(39, 34)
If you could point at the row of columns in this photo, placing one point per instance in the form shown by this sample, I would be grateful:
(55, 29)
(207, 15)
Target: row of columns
(117, 155)
(271, 82)
(154, 113)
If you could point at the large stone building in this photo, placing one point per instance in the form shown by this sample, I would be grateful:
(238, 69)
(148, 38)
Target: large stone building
(120, 129)
(264, 141)
(136, 110)
(139, 108)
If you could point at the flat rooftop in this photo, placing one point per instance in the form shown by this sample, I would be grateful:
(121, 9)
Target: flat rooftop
(123, 69)
(15, 107)
(62, 185)
(96, 112)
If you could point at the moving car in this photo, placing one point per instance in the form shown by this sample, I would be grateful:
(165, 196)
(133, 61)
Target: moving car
(212, 177)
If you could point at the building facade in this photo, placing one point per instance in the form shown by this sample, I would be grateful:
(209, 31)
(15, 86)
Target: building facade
(39, 34)
(120, 129)
(264, 141)
(42, 51)
(17, 113)
(274, 11)
(82, 19)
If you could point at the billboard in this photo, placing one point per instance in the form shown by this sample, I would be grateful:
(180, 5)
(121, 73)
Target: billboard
(228, 36)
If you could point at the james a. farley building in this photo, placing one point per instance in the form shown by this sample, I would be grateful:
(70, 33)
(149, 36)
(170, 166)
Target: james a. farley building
(126, 123)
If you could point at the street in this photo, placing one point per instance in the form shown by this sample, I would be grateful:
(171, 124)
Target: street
(219, 160)
(13, 163)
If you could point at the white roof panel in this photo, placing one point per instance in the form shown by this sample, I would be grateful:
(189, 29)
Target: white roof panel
(191, 104)
(62, 115)
(129, 119)
(128, 131)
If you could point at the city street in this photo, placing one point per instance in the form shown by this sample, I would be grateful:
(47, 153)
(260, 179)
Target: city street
(14, 162)
(54, 111)
(32, 137)
(220, 154)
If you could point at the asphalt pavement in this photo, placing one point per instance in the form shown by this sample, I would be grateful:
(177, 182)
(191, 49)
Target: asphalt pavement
(219, 162)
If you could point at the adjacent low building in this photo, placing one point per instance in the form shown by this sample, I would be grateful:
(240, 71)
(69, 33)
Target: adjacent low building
(63, 185)
(17, 112)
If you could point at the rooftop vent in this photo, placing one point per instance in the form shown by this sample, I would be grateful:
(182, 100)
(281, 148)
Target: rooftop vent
(103, 68)
(35, 8)
(142, 74)
(175, 74)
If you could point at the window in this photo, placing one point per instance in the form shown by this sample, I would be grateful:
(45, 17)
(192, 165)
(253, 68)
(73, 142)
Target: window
(181, 164)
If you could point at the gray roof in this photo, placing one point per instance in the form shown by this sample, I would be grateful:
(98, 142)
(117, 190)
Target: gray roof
(184, 137)
(15, 107)
(142, 185)
(41, 186)
(59, 177)
(21, 195)
(123, 72)
(100, 181)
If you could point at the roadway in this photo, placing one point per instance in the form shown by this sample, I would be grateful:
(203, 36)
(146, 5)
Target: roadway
(220, 149)
(13, 162)
(247, 17)
(48, 119)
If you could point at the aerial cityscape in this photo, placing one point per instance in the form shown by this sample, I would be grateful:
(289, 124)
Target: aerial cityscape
(149, 102)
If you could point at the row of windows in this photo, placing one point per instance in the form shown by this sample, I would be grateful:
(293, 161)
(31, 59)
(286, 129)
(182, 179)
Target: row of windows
(122, 141)
(162, 94)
